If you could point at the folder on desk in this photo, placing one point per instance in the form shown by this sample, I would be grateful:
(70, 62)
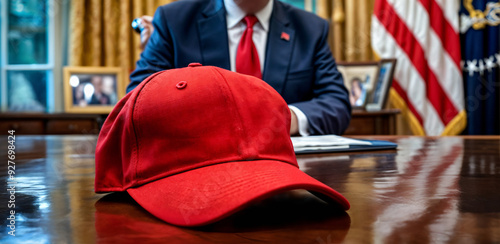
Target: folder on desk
(333, 143)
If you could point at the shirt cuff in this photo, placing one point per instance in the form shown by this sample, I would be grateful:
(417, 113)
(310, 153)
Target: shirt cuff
(303, 124)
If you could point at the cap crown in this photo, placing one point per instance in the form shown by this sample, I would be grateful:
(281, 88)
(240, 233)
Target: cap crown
(183, 119)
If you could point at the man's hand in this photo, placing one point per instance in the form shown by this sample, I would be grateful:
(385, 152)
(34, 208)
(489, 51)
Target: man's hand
(294, 125)
(148, 30)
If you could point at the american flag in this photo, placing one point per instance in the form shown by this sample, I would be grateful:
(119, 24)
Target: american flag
(285, 36)
(424, 36)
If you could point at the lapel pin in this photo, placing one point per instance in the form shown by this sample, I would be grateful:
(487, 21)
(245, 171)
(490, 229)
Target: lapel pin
(285, 36)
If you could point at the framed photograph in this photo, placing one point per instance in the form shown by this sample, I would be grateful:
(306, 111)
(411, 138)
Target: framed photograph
(378, 97)
(92, 89)
(359, 79)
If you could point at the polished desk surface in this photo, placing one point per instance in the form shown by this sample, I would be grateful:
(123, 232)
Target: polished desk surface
(429, 190)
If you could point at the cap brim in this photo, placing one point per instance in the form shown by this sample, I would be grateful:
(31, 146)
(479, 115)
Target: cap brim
(208, 194)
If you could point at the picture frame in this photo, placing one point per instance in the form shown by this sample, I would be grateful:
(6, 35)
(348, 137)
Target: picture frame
(379, 95)
(359, 79)
(92, 89)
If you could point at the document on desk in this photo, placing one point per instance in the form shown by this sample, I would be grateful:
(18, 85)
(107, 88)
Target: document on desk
(333, 143)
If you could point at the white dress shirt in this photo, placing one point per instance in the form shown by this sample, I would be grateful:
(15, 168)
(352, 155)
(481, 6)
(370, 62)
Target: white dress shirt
(235, 28)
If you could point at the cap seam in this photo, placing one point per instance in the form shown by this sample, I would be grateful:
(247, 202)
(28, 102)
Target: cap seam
(243, 132)
(136, 128)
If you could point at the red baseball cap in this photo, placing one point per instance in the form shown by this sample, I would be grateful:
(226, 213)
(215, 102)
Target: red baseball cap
(197, 144)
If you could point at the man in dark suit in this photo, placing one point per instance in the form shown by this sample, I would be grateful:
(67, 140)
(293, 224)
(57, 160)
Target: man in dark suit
(294, 55)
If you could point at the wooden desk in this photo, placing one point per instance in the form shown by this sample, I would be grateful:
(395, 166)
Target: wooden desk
(373, 123)
(50, 124)
(429, 190)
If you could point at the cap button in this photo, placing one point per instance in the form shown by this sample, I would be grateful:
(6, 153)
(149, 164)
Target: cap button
(194, 64)
(181, 85)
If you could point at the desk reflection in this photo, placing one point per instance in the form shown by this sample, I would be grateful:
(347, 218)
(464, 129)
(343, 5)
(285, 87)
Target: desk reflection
(429, 190)
(276, 220)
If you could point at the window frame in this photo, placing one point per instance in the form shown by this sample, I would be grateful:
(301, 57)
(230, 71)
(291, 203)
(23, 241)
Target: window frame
(5, 67)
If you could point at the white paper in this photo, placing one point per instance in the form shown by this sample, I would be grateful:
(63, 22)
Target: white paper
(324, 142)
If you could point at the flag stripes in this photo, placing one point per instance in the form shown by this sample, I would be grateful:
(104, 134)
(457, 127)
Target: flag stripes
(444, 30)
(450, 12)
(428, 76)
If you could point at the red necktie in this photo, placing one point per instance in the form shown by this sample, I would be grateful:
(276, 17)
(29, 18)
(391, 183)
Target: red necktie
(247, 58)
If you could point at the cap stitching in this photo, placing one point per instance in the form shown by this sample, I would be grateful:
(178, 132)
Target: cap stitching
(240, 119)
(137, 127)
(162, 176)
(107, 188)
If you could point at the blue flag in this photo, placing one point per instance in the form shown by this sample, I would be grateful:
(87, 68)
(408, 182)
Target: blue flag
(480, 41)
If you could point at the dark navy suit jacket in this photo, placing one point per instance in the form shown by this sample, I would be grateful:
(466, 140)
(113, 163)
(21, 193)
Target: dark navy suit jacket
(301, 69)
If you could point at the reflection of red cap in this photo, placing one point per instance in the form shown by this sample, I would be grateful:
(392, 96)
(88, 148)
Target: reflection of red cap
(196, 144)
(118, 219)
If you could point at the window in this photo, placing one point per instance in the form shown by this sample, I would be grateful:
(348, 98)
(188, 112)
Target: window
(27, 56)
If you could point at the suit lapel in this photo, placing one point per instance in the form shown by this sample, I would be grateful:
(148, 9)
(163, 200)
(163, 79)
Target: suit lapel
(213, 35)
(279, 48)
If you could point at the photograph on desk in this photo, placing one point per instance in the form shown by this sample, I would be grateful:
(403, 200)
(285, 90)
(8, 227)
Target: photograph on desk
(359, 79)
(91, 89)
(378, 98)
